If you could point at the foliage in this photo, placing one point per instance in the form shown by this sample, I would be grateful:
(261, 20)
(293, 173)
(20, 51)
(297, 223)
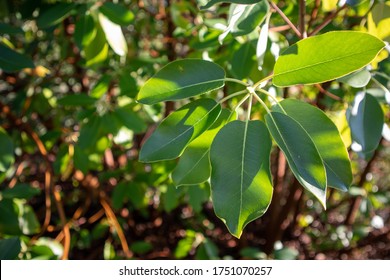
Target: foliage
(128, 127)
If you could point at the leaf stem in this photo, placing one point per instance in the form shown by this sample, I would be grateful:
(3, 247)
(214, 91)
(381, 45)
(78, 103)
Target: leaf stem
(235, 81)
(380, 84)
(232, 95)
(286, 19)
(262, 103)
(273, 98)
(256, 85)
(239, 104)
(248, 116)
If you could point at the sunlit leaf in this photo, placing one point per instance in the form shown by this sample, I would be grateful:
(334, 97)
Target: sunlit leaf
(320, 58)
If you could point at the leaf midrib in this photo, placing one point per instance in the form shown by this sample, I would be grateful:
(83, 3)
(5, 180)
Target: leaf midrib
(186, 87)
(242, 168)
(184, 132)
(322, 62)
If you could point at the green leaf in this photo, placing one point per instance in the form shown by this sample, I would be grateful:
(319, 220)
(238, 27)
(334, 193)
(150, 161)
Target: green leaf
(117, 13)
(327, 139)
(28, 221)
(12, 61)
(130, 119)
(55, 14)
(252, 16)
(182, 79)
(321, 58)
(9, 29)
(89, 133)
(6, 151)
(23, 191)
(9, 248)
(85, 31)
(9, 223)
(213, 2)
(366, 119)
(194, 165)
(101, 87)
(97, 50)
(185, 245)
(244, 60)
(301, 153)
(357, 79)
(241, 184)
(177, 130)
(76, 100)
(114, 35)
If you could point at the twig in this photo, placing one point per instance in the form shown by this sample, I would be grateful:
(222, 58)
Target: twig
(114, 222)
(285, 18)
(314, 13)
(280, 28)
(329, 94)
(327, 20)
(354, 207)
(42, 150)
(302, 13)
(65, 225)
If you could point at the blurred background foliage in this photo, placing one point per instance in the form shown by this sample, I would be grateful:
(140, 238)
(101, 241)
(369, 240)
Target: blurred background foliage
(71, 185)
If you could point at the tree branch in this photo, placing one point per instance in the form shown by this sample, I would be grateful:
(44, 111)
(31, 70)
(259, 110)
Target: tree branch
(286, 19)
(327, 20)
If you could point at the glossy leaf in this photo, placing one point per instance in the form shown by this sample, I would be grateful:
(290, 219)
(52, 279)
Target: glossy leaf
(321, 58)
(194, 165)
(301, 153)
(12, 61)
(114, 35)
(176, 131)
(9, 248)
(252, 16)
(213, 2)
(327, 139)
(117, 13)
(241, 184)
(182, 79)
(101, 87)
(366, 122)
(55, 14)
(357, 79)
(6, 151)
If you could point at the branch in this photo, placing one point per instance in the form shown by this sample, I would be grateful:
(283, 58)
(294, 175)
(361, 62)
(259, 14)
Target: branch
(286, 19)
(327, 20)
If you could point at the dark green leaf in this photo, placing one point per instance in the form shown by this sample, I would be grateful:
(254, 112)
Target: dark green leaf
(6, 151)
(213, 2)
(244, 60)
(9, 220)
(301, 153)
(130, 119)
(10, 29)
(194, 165)
(55, 14)
(76, 100)
(28, 221)
(177, 130)
(366, 122)
(241, 184)
(24, 191)
(85, 31)
(320, 58)
(89, 133)
(12, 61)
(117, 13)
(9, 248)
(327, 139)
(182, 79)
